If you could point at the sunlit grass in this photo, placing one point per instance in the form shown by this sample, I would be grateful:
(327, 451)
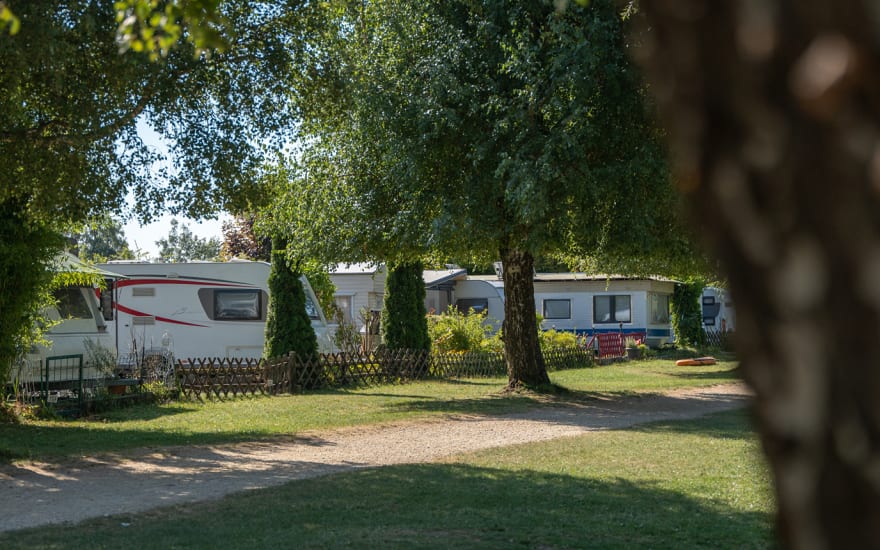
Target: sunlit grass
(188, 423)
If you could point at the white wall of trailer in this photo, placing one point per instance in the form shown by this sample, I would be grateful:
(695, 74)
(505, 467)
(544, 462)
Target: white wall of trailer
(358, 287)
(568, 301)
(198, 309)
(718, 309)
(75, 319)
(476, 290)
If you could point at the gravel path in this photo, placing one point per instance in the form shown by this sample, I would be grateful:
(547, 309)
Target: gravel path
(40, 493)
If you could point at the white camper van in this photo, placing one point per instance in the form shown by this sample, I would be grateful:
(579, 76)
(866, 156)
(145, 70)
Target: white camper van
(197, 309)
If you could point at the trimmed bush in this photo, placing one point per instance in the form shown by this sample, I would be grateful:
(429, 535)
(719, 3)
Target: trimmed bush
(288, 326)
(403, 324)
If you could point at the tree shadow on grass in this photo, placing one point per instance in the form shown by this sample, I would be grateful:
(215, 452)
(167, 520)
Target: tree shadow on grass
(732, 375)
(432, 506)
(721, 425)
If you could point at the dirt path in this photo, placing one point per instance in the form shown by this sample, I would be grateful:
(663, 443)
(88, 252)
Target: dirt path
(38, 493)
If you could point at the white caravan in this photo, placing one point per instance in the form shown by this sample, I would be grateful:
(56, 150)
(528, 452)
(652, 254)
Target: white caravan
(719, 313)
(77, 327)
(580, 303)
(483, 294)
(197, 310)
(595, 304)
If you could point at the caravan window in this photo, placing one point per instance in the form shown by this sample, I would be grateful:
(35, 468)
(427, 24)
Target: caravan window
(612, 309)
(659, 308)
(72, 304)
(465, 305)
(557, 309)
(237, 305)
(311, 310)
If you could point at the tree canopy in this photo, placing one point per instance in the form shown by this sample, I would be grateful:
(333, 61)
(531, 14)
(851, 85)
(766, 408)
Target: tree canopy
(489, 130)
(70, 107)
(102, 239)
(181, 245)
(73, 110)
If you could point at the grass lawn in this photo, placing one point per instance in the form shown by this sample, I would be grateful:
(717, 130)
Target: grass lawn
(188, 423)
(688, 484)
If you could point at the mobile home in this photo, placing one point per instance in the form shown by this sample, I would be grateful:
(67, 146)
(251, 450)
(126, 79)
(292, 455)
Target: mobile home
(591, 304)
(197, 309)
(359, 287)
(440, 285)
(718, 311)
(483, 294)
(583, 304)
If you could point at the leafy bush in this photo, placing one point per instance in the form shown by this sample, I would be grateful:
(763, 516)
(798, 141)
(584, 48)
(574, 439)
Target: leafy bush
(456, 331)
(687, 315)
(160, 391)
(555, 339)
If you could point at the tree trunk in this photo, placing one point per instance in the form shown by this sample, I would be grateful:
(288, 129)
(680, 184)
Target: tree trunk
(773, 110)
(525, 364)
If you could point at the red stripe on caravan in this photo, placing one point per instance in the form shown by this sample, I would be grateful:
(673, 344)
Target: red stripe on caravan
(131, 282)
(137, 313)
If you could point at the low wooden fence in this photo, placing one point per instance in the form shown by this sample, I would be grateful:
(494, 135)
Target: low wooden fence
(223, 378)
(722, 339)
(611, 345)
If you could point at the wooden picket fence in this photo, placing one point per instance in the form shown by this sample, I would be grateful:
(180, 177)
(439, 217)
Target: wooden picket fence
(220, 378)
(722, 339)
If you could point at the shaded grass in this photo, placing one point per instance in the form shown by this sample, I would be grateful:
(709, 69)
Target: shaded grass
(669, 485)
(250, 419)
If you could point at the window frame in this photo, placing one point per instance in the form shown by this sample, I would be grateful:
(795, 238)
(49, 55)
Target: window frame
(483, 302)
(612, 309)
(555, 300)
(218, 293)
(657, 297)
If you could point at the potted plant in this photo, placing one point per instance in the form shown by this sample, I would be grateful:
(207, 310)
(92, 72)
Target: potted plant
(632, 348)
(103, 361)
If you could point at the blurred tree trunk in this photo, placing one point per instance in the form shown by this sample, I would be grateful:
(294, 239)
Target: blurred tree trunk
(772, 107)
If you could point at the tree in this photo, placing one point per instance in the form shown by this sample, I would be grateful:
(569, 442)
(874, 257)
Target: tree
(486, 130)
(71, 107)
(26, 254)
(403, 322)
(182, 246)
(240, 240)
(772, 114)
(288, 326)
(102, 239)
(69, 132)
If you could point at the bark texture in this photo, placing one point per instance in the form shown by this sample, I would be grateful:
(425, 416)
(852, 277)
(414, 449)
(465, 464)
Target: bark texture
(525, 363)
(772, 108)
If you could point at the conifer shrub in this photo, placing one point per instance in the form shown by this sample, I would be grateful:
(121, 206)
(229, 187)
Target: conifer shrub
(288, 326)
(403, 323)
